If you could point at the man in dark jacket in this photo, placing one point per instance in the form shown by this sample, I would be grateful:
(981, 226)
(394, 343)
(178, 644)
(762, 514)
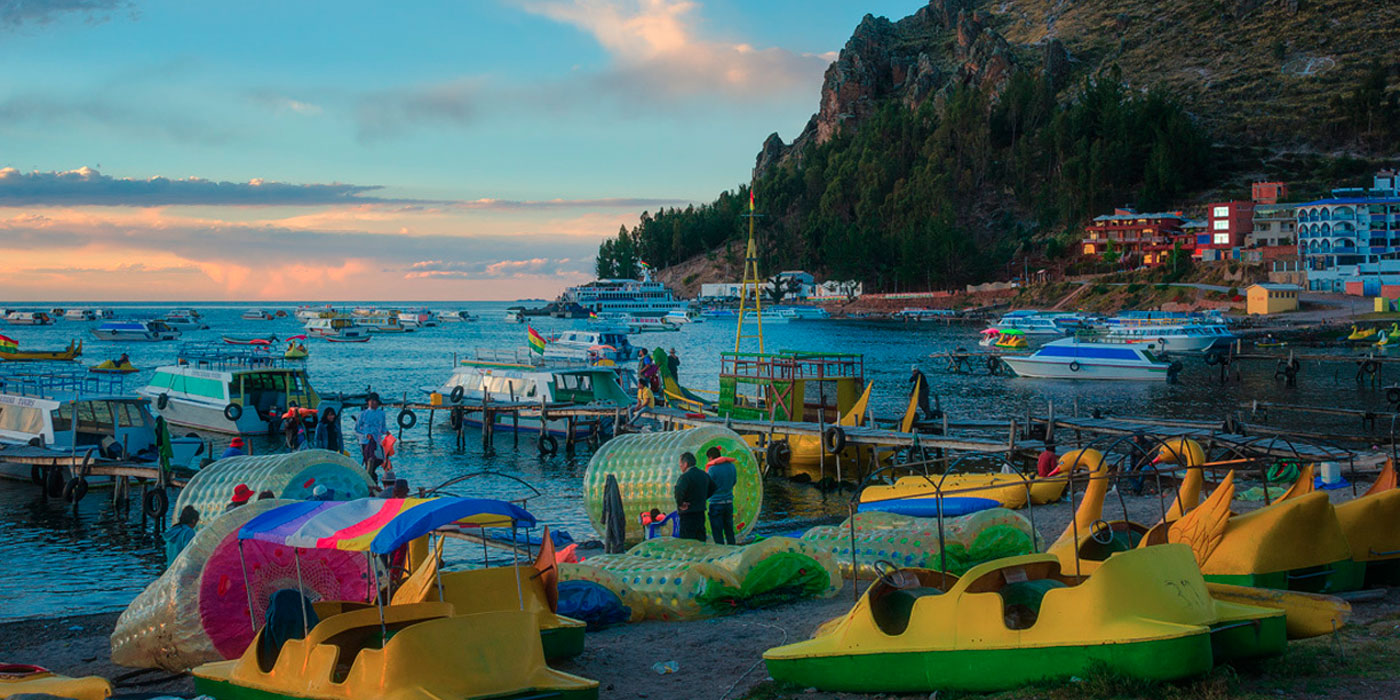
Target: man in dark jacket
(693, 489)
(724, 475)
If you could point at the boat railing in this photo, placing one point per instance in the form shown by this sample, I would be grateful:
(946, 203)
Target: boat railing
(49, 382)
(218, 356)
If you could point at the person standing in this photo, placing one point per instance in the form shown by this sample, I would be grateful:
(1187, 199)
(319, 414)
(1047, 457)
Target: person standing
(328, 431)
(370, 430)
(673, 363)
(724, 474)
(178, 536)
(693, 489)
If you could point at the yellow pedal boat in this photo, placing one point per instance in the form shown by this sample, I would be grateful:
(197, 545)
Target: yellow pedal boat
(1088, 539)
(1007, 489)
(1369, 523)
(1361, 333)
(421, 651)
(1306, 614)
(23, 679)
(1020, 620)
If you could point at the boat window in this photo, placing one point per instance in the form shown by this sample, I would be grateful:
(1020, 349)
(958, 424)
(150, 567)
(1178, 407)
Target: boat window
(95, 417)
(23, 419)
(124, 414)
(63, 418)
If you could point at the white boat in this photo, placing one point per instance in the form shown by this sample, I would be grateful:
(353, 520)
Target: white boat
(105, 313)
(1033, 322)
(515, 316)
(29, 318)
(719, 313)
(138, 331)
(383, 324)
(645, 295)
(1177, 338)
(677, 317)
(769, 317)
(637, 323)
(418, 318)
(505, 381)
(192, 313)
(257, 315)
(79, 315)
(456, 317)
(921, 314)
(1093, 358)
(306, 313)
(37, 407)
(364, 311)
(333, 325)
(590, 346)
(804, 313)
(228, 390)
(182, 322)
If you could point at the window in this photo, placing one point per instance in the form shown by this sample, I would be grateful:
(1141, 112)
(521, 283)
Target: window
(1221, 211)
(23, 419)
(1220, 224)
(1222, 239)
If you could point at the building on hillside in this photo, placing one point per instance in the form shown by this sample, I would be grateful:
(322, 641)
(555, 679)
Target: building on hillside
(803, 287)
(1352, 236)
(1274, 226)
(1270, 298)
(1227, 225)
(832, 289)
(1136, 238)
(1268, 192)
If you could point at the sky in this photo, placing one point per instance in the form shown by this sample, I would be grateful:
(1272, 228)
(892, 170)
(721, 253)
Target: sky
(349, 150)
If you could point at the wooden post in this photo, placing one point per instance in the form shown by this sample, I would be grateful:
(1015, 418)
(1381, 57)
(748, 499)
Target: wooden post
(431, 412)
(1011, 439)
(1050, 422)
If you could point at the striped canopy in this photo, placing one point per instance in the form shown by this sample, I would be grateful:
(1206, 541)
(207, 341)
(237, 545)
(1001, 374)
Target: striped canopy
(377, 525)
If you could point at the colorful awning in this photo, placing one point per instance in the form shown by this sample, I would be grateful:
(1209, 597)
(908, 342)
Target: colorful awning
(377, 525)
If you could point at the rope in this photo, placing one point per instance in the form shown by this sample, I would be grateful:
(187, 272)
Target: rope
(756, 663)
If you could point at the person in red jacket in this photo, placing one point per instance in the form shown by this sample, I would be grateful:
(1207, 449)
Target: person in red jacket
(1046, 463)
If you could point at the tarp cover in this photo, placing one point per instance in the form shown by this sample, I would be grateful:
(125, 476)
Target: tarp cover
(377, 525)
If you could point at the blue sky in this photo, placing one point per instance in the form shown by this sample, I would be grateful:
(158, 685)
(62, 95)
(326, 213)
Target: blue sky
(487, 146)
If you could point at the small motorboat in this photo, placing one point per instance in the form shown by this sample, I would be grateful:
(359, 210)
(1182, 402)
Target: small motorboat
(515, 316)
(256, 315)
(29, 318)
(1089, 357)
(73, 350)
(456, 317)
(139, 331)
(34, 681)
(118, 366)
(250, 340)
(184, 322)
(80, 315)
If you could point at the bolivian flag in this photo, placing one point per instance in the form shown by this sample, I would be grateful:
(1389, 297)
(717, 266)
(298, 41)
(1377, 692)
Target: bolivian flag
(8, 344)
(536, 340)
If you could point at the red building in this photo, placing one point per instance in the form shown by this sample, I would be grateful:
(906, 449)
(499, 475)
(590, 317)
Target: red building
(1227, 224)
(1269, 192)
(1136, 237)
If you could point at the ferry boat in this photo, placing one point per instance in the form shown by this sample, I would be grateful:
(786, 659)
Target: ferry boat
(257, 315)
(306, 313)
(1092, 357)
(182, 322)
(645, 295)
(523, 382)
(227, 390)
(804, 313)
(334, 325)
(135, 331)
(417, 318)
(677, 317)
(768, 317)
(38, 405)
(638, 323)
(1033, 322)
(456, 317)
(29, 318)
(1178, 338)
(590, 346)
(80, 315)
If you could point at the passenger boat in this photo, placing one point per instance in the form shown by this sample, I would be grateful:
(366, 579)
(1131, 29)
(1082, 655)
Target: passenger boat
(590, 347)
(306, 313)
(677, 317)
(184, 322)
(768, 317)
(257, 315)
(515, 315)
(104, 313)
(1033, 322)
(804, 313)
(337, 325)
(719, 313)
(521, 382)
(919, 314)
(137, 331)
(644, 296)
(1087, 357)
(380, 324)
(73, 350)
(224, 390)
(359, 650)
(1145, 614)
(418, 318)
(462, 316)
(79, 315)
(28, 318)
(1176, 338)
(637, 323)
(38, 406)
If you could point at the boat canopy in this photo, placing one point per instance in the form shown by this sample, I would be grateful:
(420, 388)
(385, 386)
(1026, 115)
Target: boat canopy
(376, 525)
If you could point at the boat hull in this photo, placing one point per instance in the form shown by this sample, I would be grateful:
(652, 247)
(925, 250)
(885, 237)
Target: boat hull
(135, 337)
(208, 417)
(985, 670)
(1086, 369)
(1338, 576)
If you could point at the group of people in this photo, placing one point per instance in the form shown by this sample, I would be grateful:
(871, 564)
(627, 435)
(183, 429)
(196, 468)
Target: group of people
(649, 382)
(711, 490)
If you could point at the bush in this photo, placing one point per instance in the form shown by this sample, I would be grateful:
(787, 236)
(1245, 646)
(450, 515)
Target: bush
(1135, 287)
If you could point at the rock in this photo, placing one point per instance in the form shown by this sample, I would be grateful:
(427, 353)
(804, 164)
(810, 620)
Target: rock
(773, 150)
(1055, 64)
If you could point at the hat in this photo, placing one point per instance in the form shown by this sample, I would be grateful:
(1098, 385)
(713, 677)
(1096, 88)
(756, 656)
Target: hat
(319, 491)
(236, 442)
(913, 368)
(241, 493)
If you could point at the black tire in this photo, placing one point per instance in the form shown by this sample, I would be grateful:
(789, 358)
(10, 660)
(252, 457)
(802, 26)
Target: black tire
(993, 365)
(547, 444)
(36, 475)
(75, 489)
(1392, 395)
(834, 439)
(457, 393)
(1162, 344)
(455, 418)
(36, 442)
(192, 435)
(407, 419)
(155, 503)
(233, 412)
(162, 401)
(54, 482)
(1212, 358)
(779, 455)
(1073, 366)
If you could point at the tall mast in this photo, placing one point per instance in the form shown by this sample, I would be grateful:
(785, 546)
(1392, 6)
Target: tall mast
(751, 281)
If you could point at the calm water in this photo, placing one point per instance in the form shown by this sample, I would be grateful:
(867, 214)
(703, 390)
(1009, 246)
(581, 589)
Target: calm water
(95, 560)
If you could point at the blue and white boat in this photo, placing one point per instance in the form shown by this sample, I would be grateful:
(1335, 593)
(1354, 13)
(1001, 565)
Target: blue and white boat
(239, 391)
(1033, 322)
(478, 380)
(1175, 338)
(1089, 357)
(135, 330)
(804, 313)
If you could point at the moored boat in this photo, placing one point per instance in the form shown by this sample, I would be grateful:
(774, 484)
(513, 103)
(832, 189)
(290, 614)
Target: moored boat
(461, 316)
(257, 315)
(249, 340)
(1084, 357)
(74, 349)
(28, 318)
(346, 337)
(79, 315)
(138, 331)
(227, 390)
(590, 346)
(508, 381)
(184, 322)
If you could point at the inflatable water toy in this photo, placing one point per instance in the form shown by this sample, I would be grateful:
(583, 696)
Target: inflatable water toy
(1011, 339)
(915, 542)
(928, 506)
(344, 650)
(23, 679)
(1306, 614)
(16, 355)
(114, 367)
(1007, 489)
(1144, 614)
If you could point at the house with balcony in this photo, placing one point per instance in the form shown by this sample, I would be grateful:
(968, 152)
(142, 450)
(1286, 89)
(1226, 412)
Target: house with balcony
(1351, 236)
(1136, 238)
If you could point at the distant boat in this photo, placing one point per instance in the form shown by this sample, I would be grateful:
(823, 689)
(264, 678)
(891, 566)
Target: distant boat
(79, 315)
(256, 315)
(135, 330)
(346, 338)
(456, 317)
(253, 340)
(29, 318)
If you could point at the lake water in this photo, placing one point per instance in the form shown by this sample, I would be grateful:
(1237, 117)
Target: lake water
(93, 560)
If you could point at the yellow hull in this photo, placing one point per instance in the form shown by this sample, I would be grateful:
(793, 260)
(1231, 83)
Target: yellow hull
(1007, 489)
(1369, 523)
(1289, 535)
(1306, 614)
(85, 688)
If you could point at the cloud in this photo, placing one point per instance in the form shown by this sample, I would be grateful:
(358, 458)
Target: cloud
(657, 51)
(17, 13)
(389, 112)
(108, 111)
(86, 186)
(482, 269)
(283, 104)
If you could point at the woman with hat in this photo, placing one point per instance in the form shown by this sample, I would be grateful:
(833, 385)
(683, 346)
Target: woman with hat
(235, 449)
(241, 495)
